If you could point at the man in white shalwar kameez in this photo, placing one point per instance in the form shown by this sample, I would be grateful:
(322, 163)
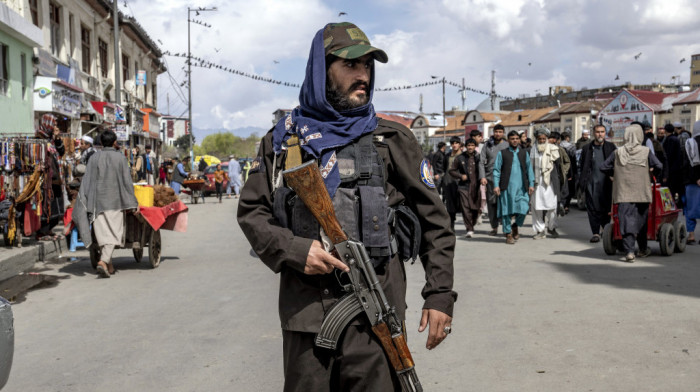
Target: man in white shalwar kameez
(545, 159)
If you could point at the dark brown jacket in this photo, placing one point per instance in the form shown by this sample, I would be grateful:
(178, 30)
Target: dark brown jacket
(304, 299)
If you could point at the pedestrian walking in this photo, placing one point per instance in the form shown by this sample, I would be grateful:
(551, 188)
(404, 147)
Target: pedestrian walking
(583, 140)
(692, 187)
(597, 187)
(219, 177)
(492, 147)
(514, 179)
(655, 148)
(547, 168)
(234, 175)
(106, 192)
(630, 168)
(572, 174)
(362, 157)
(450, 191)
(468, 173)
(676, 159)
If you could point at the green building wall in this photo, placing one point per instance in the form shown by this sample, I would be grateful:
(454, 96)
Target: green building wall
(16, 110)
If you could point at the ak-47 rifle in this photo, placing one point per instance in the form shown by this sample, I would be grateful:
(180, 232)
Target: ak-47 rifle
(364, 292)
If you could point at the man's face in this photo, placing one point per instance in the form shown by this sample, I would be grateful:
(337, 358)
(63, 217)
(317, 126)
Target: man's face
(660, 133)
(514, 141)
(471, 148)
(479, 138)
(498, 134)
(677, 130)
(552, 140)
(348, 82)
(456, 147)
(523, 137)
(84, 146)
(649, 131)
(585, 136)
(541, 138)
(599, 134)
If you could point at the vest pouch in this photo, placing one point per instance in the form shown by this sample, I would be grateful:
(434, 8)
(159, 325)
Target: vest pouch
(347, 210)
(280, 203)
(407, 233)
(376, 235)
(303, 222)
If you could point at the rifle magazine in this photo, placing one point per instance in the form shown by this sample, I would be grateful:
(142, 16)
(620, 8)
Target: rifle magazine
(338, 317)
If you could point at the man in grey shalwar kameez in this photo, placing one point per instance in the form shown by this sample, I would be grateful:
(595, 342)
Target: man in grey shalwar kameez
(105, 193)
(629, 166)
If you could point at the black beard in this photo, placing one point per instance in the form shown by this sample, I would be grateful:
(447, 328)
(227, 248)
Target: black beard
(341, 101)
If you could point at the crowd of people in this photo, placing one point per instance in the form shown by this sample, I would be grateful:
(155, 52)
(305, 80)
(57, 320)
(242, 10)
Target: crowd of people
(509, 176)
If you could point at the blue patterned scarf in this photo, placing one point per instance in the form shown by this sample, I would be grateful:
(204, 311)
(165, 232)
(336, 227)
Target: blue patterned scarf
(320, 128)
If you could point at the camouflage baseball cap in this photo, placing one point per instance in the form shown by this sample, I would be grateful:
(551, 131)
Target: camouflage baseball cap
(347, 41)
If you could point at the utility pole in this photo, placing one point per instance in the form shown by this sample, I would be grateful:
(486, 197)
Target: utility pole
(117, 76)
(444, 120)
(189, 72)
(493, 90)
(420, 108)
(464, 94)
(167, 98)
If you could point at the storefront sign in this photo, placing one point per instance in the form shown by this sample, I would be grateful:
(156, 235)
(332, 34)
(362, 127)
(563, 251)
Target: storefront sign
(137, 125)
(122, 135)
(141, 78)
(621, 112)
(52, 95)
(171, 129)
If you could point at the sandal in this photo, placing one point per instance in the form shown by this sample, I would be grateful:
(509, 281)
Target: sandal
(102, 271)
(46, 238)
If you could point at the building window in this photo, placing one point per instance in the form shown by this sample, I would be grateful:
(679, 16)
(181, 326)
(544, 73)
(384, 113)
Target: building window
(23, 65)
(126, 75)
(4, 72)
(34, 10)
(55, 28)
(85, 46)
(103, 57)
(71, 34)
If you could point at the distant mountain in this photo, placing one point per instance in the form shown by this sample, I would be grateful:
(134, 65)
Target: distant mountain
(244, 132)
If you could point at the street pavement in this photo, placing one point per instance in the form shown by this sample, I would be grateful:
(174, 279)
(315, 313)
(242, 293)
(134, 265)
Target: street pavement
(549, 315)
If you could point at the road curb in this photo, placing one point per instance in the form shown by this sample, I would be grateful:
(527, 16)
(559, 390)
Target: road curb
(14, 261)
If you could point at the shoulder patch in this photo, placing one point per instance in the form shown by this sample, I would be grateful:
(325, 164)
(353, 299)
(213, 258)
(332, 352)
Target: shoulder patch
(426, 174)
(256, 165)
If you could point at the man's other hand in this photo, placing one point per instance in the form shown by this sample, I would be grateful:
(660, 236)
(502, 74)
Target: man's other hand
(497, 191)
(319, 262)
(437, 321)
(483, 181)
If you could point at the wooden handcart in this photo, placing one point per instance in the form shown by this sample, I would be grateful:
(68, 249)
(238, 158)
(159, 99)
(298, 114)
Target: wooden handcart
(195, 188)
(142, 230)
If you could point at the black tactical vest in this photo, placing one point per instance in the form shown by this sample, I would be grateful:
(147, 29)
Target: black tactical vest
(360, 202)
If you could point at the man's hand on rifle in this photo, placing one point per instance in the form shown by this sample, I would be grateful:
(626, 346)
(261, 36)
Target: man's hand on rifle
(437, 321)
(319, 262)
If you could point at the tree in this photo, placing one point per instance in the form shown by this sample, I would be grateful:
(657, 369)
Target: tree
(223, 144)
(183, 144)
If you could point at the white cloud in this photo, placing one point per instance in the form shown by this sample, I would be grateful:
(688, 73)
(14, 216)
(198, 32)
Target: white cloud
(532, 45)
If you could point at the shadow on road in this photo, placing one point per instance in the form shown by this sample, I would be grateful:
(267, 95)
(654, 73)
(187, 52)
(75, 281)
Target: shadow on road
(676, 274)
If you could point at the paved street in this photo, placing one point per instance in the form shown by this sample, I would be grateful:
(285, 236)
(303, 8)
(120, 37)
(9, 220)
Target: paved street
(552, 315)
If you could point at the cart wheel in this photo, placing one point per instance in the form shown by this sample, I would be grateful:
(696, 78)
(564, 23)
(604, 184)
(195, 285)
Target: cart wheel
(95, 255)
(154, 248)
(609, 245)
(667, 239)
(138, 254)
(681, 233)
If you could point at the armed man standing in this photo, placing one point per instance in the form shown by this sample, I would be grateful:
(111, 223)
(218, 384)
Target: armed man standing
(369, 167)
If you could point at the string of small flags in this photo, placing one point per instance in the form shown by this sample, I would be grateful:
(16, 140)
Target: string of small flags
(201, 63)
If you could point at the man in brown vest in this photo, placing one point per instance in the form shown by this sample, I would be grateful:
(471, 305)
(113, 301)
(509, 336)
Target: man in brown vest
(629, 167)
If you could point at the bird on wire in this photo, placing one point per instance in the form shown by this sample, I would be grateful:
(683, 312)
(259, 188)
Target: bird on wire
(342, 13)
(636, 57)
(683, 60)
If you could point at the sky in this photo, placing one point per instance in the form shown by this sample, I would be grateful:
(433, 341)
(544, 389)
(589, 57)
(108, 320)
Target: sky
(530, 44)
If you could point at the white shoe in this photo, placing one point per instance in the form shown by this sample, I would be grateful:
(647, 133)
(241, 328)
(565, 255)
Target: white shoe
(469, 234)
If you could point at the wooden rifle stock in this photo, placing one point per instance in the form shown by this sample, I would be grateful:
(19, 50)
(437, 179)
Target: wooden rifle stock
(308, 184)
